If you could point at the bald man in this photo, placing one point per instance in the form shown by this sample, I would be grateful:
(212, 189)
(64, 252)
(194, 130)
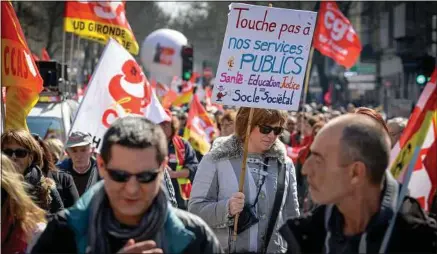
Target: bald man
(347, 176)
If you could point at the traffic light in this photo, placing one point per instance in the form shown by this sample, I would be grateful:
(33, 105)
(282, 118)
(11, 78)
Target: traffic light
(426, 65)
(421, 79)
(187, 62)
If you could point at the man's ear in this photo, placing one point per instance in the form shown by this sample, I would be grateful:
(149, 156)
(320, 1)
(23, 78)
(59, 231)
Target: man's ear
(101, 166)
(359, 172)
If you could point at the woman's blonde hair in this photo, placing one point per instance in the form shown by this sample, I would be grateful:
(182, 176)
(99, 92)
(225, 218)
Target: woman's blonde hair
(25, 212)
(56, 147)
(261, 116)
(25, 139)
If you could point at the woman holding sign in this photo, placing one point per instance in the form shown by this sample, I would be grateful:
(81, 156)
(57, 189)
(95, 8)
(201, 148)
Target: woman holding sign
(269, 196)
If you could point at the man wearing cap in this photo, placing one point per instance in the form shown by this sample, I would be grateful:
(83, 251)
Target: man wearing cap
(80, 164)
(182, 163)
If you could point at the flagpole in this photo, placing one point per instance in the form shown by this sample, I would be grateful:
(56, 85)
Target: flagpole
(308, 75)
(64, 34)
(3, 112)
(78, 51)
(308, 72)
(63, 60)
(402, 195)
(70, 62)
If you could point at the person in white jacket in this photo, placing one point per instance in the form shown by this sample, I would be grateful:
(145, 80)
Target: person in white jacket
(215, 196)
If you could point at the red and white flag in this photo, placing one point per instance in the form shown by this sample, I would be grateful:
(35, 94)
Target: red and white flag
(421, 131)
(335, 37)
(199, 130)
(118, 88)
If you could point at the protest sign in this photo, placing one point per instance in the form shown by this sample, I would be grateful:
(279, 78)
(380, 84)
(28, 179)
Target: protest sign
(117, 88)
(264, 57)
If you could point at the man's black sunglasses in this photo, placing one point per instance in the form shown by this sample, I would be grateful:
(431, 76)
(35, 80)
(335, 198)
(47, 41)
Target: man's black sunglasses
(123, 176)
(265, 129)
(19, 153)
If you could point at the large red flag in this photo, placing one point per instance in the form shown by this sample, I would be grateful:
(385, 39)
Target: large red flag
(335, 37)
(20, 75)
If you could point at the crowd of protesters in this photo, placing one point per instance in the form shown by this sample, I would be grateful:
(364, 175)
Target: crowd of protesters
(150, 191)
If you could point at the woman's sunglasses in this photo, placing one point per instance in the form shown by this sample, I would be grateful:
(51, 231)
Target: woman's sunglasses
(123, 176)
(19, 153)
(265, 129)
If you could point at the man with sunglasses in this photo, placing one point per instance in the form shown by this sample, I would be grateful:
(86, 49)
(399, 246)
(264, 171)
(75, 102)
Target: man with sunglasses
(128, 212)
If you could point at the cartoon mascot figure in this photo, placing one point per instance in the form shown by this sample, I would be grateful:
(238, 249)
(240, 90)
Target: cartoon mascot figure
(131, 91)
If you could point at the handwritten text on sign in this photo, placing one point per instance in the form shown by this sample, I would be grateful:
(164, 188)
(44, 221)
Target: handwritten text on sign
(264, 57)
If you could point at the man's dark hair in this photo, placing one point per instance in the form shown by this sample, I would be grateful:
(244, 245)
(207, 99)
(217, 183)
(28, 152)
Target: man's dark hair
(134, 132)
(369, 144)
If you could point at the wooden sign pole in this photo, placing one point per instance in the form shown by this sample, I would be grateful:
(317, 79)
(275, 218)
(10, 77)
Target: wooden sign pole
(308, 76)
(306, 85)
(243, 166)
(3, 112)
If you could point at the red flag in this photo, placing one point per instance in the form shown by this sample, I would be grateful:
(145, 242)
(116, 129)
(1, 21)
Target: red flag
(35, 57)
(99, 21)
(45, 55)
(335, 36)
(421, 131)
(328, 95)
(20, 75)
(199, 130)
(169, 98)
(293, 152)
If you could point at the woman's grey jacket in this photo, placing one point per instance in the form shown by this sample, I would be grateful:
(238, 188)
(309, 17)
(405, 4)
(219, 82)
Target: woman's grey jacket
(217, 179)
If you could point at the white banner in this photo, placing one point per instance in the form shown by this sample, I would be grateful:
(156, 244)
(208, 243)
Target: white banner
(264, 57)
(117, 88)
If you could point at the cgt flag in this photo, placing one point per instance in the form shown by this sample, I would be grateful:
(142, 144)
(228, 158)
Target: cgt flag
(99, 21)
(335, 37)
(421, 131)
(199, 130)
(118, 88)
(20, 75)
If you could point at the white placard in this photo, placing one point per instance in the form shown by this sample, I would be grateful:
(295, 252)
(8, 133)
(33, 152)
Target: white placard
(117, 88)
(264, 57)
